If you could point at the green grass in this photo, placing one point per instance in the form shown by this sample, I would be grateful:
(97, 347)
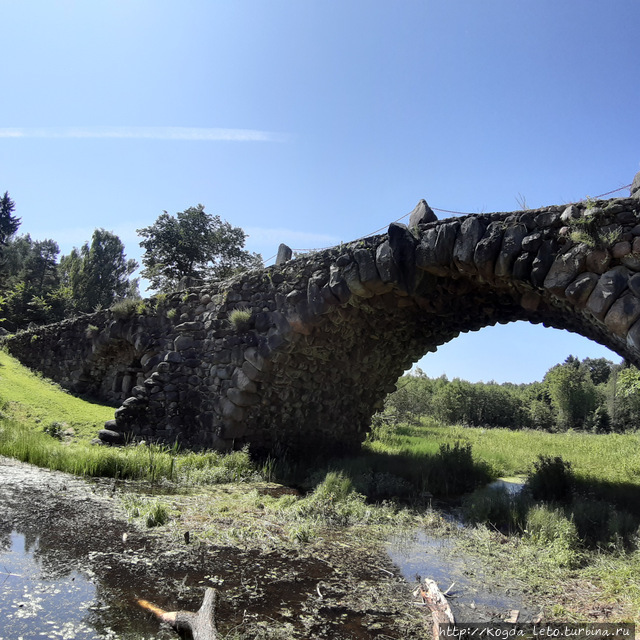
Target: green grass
(608, 458)
(30, 398)
(34, 412)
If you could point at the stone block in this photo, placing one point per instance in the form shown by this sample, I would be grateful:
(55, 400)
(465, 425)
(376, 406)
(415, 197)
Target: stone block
(486, 252)
(338, 285)
(251, 372)
(422, 214)
(243, 382)
(252, 356)
(242, 398)
(522, 266)
(471, 232)
(541, 264)
(620, 249)
(598, 261)
(580, 289)
(385, 263)
(622, 314)
(610, 285)
(565, 269)
(181, 343)
(403, 248)
(509, 250)
(351, 276)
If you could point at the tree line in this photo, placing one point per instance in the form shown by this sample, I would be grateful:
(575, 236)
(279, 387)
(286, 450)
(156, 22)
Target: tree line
(593, 395)
(39, 286)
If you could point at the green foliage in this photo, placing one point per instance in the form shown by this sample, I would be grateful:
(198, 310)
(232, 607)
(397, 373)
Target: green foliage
(334, 502)
(551, 528)
(572, 392)
(99, 274)
(8, 222)
(153, 512)
(127, 308)
(240, 319)
(498, 507)
(551, 479)
(193, 244)
(54, 429)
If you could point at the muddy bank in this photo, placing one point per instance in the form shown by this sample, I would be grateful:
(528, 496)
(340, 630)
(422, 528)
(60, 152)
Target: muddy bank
(77, 528)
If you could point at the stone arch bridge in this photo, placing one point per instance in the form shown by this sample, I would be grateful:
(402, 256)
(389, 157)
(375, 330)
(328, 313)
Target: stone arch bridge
(299, 356)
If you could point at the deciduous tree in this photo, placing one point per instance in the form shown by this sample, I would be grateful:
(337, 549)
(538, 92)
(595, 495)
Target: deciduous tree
(192, 244)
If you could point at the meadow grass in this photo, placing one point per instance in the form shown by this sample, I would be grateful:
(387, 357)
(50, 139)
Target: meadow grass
(31, 399)
(601, 458)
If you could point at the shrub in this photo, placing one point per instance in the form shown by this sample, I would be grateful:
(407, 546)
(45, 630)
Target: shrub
(54, 429)
(497, 507)
(240, 319)
(546, 526)
(452, 471)
(126, 308)
(551, 479)
(598, 523)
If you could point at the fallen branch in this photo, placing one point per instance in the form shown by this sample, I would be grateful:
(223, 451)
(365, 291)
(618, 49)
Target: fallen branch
(440, 610)
(201, 625)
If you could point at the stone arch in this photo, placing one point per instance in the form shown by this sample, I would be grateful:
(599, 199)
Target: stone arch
(330, 333)
(112, 371)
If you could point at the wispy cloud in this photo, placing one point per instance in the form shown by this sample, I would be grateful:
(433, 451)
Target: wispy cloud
(146, 133)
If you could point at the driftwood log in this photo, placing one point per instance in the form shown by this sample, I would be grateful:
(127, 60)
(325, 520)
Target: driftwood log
(200, 625)
(437, 602)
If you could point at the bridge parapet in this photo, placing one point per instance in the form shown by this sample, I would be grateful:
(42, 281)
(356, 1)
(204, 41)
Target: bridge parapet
(299, 356)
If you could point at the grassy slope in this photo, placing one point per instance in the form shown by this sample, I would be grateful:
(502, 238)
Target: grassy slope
(33, 400)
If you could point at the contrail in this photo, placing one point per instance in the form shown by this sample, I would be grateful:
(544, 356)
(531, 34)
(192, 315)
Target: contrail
(146, 133)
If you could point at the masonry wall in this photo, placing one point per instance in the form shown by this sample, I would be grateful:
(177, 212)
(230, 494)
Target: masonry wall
(322, 339)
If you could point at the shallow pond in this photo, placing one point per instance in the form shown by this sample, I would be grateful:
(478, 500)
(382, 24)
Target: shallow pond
(475, 595)
(45, 595)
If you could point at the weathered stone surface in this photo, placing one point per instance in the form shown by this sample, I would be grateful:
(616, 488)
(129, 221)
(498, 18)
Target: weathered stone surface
(338, 285)
(109, 436)
(609, 287)
(351, 276)
(422, 214)
(635, 186)
(510, 249)
(284, 254)
(243, 382)
(403, 248)
(522, 266)
(542, 263)
(487, 251)
(471, 232)
(368, 272)
(622, 314)
(532, 242)
(570, 213)
(318, 357)
(580, 289)
(620, 249)
(598, 261)
(386, 264)
(564, 269)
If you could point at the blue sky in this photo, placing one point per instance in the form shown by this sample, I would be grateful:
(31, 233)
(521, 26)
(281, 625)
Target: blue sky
(314, 122)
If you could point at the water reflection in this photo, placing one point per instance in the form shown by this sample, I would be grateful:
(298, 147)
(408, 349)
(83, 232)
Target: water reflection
(477, 596)
(45, 595)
